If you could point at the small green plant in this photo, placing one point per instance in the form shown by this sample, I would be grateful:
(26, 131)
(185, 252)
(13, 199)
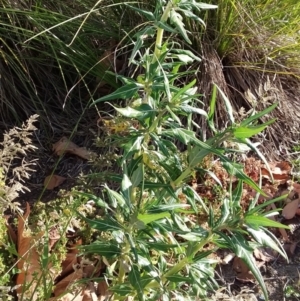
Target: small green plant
(151, 242)
(292, 289)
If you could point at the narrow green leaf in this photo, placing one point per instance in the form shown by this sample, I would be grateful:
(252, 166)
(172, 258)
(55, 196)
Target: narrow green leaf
(126, 187)
(259, 208)
(205, 6)
(179, 278)
(137, 176)
(137, 45)
(132, 146)
(183, 90)
(183, 135)
(176, 19)
(237, 194)
(104, 224)
(185, 59)
(259, 115)
(173, 115)
(94, 198)
(186, 52)
(179, 222)
(115, 197)
(211, 174)
(211, 218)
(134, 278)
(121, 289)
(247, 132)
(168, 207)
(228, 105)
(235, 169)
(225, 213)
(190, 109)
(265, 240)
(160, 246)
(131, 241)
(212, 104)
(145, 280)
(256, 221)
(107, 249)
(149, 15)
(153, 185)
(125, 92)
(165, 146)
(192, 196)
(133, 112)
(165, 26)
(149, 218)
(261, 156)
(242, 249)
(189, 14)
(186, 136)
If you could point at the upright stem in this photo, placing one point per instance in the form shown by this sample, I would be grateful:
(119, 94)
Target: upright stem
(160, 31)
(183, 176)
(181, 264)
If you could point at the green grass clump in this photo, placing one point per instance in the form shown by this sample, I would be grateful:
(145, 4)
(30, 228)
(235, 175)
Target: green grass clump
(268, 29)
(44, 69)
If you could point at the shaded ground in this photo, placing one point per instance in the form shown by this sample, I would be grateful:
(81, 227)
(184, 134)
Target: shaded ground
(277, 276)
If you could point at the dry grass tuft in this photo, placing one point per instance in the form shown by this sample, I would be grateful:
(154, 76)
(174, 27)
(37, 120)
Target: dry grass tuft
(14, 166)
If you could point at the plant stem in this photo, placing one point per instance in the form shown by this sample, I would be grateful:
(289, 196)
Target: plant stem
(155, 123)
(181, 264)
(183, 176)
(160, 31)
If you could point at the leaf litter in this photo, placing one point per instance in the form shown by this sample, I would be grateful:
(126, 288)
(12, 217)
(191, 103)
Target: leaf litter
(73, 267)
(64, 145)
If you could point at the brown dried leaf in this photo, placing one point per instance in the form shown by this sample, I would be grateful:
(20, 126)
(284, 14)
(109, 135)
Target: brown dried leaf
(53, 181)
(29, 263)
(64, 285)
(89, 293)
(289, 211)
(296, 187)
(68, 264)
(263, 254)
(282, 231)
(243, 272)
(102, 290)
(64, 145)
(280, 171)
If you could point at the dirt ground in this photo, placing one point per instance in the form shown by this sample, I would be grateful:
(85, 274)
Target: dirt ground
(278, 275)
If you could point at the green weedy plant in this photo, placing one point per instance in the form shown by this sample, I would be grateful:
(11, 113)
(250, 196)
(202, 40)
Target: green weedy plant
(150, 240)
